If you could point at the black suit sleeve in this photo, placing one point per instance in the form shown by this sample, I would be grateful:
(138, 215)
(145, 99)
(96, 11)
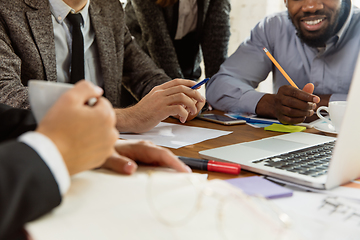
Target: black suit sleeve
(14, 122)
(27, 188)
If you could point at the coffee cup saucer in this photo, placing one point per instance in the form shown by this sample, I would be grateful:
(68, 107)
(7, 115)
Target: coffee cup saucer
(326, 127)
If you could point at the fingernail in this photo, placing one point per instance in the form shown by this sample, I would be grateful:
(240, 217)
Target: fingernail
(312, 105)
(203, 99)
(188, 169)
(182, 120)
(99, 90)
(130, 168)
(316, 99)
(311, 112)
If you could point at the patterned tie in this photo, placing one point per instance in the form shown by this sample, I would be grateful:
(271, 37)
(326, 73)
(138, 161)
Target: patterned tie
(77, 57)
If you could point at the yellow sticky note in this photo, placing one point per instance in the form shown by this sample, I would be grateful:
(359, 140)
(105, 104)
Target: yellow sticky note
(284, 128)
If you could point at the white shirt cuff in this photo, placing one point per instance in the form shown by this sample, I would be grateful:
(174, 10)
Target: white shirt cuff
(49, 153)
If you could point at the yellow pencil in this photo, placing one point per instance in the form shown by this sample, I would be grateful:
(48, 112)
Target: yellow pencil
(280, 68)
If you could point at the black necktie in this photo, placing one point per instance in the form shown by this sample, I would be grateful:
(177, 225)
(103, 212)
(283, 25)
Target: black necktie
(77, 57)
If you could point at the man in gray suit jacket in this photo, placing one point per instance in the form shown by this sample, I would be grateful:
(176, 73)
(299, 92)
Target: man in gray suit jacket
(34, 44)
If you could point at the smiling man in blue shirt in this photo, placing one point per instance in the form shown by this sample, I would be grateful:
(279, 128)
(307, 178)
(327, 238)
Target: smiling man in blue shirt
(316, 42)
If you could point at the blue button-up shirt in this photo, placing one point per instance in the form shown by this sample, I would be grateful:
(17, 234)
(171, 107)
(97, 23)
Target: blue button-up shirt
(63, 43)
(330, 68)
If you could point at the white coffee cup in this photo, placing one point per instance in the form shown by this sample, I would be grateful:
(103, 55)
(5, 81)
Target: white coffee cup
(43, 94)
(336, 110)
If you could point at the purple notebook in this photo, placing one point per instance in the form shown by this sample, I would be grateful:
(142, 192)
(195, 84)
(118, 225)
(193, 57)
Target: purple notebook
(260, 186)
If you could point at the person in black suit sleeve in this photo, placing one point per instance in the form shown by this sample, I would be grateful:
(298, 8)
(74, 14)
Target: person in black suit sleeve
(24, 196)
(14, 122)
(30, 186)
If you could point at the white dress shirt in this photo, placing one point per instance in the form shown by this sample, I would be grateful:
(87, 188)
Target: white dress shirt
(187, 20)
(63, 43)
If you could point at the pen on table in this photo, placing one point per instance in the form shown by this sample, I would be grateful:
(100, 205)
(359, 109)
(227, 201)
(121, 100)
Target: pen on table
(251, 120)
(280, 68)
(211, 165)
(200, 83)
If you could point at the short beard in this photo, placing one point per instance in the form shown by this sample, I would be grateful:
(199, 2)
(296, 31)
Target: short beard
(321, 40)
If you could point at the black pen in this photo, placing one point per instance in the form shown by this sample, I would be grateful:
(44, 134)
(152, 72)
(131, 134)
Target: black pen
(211, 165)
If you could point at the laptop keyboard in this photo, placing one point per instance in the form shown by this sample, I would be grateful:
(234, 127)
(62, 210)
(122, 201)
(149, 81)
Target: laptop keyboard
(312, 161)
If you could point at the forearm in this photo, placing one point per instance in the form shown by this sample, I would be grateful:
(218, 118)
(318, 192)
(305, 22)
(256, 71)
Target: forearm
(229, 94)
(128, 120)
(14, 94)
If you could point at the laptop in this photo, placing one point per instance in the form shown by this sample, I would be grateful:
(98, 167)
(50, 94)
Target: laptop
(311, 160)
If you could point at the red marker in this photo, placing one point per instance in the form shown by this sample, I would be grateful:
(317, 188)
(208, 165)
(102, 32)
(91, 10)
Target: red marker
(211, 165)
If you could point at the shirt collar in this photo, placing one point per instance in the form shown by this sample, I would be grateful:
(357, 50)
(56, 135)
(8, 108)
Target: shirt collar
(60, 10)
(341, 32)
(334, 40)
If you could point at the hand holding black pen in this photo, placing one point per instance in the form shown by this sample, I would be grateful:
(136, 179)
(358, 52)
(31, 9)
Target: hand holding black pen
(173, 98)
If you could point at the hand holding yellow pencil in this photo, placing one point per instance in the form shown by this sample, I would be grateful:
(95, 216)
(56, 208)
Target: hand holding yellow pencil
(280, 68)
(289, 106)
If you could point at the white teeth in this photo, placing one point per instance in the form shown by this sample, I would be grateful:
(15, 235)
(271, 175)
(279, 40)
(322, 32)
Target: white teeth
(314, 22)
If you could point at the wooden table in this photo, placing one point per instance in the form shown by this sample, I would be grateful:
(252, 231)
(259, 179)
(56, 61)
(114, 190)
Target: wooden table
(241, 133)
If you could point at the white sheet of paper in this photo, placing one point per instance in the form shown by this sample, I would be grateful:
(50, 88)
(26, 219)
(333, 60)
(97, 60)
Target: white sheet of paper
(107, 206)
(318, 220)
(176, 135)
(341, 191)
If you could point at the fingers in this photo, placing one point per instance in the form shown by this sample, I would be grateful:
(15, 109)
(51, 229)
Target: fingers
(84, 90)
(179, 95)
(177, 82)
(180, 86)
(149, 153)
(199, 106)
(179, 112)
(309, 88)
(164, 157)
(298, 94)
(294, 105)
(104, 106)
(191, 93)
(84, 135)
(297, 99)
(120, 164)
(168, 159)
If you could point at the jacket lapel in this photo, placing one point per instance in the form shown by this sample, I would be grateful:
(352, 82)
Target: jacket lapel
(105, 41)
(42, 29)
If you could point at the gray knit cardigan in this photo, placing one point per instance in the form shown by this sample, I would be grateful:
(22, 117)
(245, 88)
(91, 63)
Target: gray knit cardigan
(151, 25)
